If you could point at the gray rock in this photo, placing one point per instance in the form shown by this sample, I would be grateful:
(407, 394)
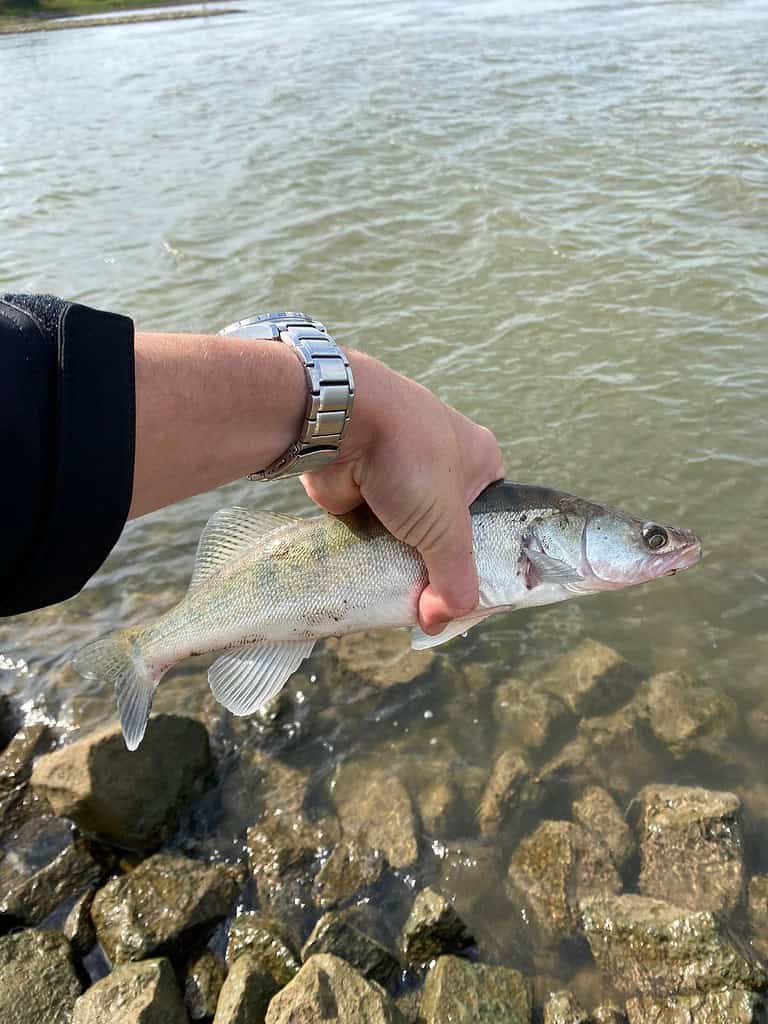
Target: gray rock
(562, 1008)
(433, 928)
(144, 993)
(163, 906)
(16, 760)
(691, 847)
(38, 982)
(465, 993)
(598, 813)
(43, 865)
(528, 719)
(128, 798)
(328, 989)
(203, 978)
(607, 1013)
(727, 1007)
(352, 867)
(556, 867)
(647, 946)
(380, 658)
(336, 935)
(506, 793)
(78, 925)
(245, 994)
(592, 679)
(376, 803)
(267, 941)
(757, 906)
(688, 717)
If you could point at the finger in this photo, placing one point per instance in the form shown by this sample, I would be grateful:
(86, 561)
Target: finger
(334, 489)
(447, 552)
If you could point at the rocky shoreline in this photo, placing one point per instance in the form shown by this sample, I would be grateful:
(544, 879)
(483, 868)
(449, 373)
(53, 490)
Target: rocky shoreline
(242, 871)
(15, 26)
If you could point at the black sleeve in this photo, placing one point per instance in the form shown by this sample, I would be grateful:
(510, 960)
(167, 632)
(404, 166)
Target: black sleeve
(67, 410)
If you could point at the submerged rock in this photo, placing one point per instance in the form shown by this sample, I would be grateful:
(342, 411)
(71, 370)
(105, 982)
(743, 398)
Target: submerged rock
(38, 981)
(9, 719)
(163, 906)
(267, 942)
(562, 1008)
(143, 993)
(203, 977)
(689, 717)
(259, 784)
(620, 748)
(506, 793)
(380, 658)
(727, 1007)
(691, 846)
(465, 993)
(328, 989)
(352, 867)
(648, 946)
(376, 804)
(591, 679)
(245, 994)
(469, 870)
(528, 719)
(757, 907)
(336, 935)
(598, 813)
(433, 928)
(131, 799)
(555, 868)
(607, 1013)
(440, 807)
(78, 925)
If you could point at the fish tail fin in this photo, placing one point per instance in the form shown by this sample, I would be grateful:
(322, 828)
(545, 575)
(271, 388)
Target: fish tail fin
(120, 659)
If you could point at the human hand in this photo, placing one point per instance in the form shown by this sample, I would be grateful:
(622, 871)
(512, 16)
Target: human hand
(418, 464)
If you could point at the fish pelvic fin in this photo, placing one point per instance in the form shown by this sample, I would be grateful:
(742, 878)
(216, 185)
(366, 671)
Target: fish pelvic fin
(250, 677)
(231, 533)
(118, 659)
(421, 641)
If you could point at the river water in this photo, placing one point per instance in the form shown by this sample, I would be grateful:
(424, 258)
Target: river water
(552, 214)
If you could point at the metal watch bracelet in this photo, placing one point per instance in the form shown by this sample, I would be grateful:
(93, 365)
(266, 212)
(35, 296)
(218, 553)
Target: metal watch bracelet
(330, 389)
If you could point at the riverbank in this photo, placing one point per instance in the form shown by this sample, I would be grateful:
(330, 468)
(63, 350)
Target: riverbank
(47, 20)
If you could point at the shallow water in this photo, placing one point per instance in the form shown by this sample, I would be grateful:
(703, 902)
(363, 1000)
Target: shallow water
(553, 217)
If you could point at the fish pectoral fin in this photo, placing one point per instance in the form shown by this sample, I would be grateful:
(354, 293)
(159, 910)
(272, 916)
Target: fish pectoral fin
(420, 640)
(229, 534)
(250, 677)
(546, 569)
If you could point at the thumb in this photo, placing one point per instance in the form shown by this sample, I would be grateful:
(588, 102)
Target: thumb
(333, 488)
(448, 556)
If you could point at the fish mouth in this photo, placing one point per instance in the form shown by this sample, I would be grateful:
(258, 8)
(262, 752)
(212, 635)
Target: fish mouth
(685, 558)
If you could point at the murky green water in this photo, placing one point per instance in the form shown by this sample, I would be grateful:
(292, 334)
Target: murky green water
(554, 215)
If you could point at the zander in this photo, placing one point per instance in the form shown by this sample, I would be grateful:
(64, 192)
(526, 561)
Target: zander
(265, 587)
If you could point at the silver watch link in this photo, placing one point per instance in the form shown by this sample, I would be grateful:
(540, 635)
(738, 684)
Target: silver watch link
(330, 389)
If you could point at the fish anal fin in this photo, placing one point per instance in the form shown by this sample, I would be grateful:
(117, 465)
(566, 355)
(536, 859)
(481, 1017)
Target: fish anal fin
(248, 678)
(229, 534)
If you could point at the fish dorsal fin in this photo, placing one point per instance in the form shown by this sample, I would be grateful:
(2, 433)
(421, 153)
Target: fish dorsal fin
(420, 640)
(251, 676)
(229, 534)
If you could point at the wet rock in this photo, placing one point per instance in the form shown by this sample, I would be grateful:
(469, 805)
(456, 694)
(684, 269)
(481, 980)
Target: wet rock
(757, 906)
(381, 658)
(691, 847)
(620, 747)
(376, 803)
(432, 929)
(132, 799)
(592, 679)
(38, 982)
(469, 869)
(556, 867)
(143, 993)
(44, 864)
(245, 994)
(465, 993)
(506, 793)
(644, 945)
(267, 942)
(327, 988)
(353, 866)
(688, 717)
(598, 813)
(570, 768)
(16, 760)
(163, 906)
(203, 978)
(562, 1008)
(336, 935)
(757, 722)
(20, 805)
(528, 719)
(607, 1013)
(9, 719)
(78, 925)
(260, 784)
(440, 808)
(728, 1007)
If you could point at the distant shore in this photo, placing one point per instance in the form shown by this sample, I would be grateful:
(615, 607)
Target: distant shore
(52, 19)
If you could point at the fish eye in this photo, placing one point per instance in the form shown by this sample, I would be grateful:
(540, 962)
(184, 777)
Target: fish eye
(655, 536)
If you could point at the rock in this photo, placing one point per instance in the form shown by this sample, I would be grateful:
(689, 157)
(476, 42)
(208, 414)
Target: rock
(203, 978)
(16, 760)
(78, 926)
(260, 784)
(691, 847)
(376, 803)
(381, 658)
(644, 946)
(562, 1008)
(38, 981)
(688, 717)
(592, 679)
(432, 929)
(20, 805)
(570, 768)
(409, 1004)
(528, 719)
(328, 989)
(267, 942)
(334, 934)
(620, 748)
(353, 866)
(465, 993)
(245, 994)
(556, 867)
(607, 1013)
(132, 799)
(9, 719)
(506, 792)
(143, 993)
(757, 906)
(469, 869)
(727, 1007)
(44, 865)
(440, 808)
(598, 813)
(757, 722)
(163, 906)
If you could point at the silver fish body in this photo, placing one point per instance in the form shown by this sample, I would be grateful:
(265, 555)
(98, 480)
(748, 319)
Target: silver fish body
(267, 587)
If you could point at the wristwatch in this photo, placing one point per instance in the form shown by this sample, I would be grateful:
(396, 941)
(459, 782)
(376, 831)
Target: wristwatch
(330, 389)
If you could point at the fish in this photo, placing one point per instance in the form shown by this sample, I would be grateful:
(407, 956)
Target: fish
(266, 587)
